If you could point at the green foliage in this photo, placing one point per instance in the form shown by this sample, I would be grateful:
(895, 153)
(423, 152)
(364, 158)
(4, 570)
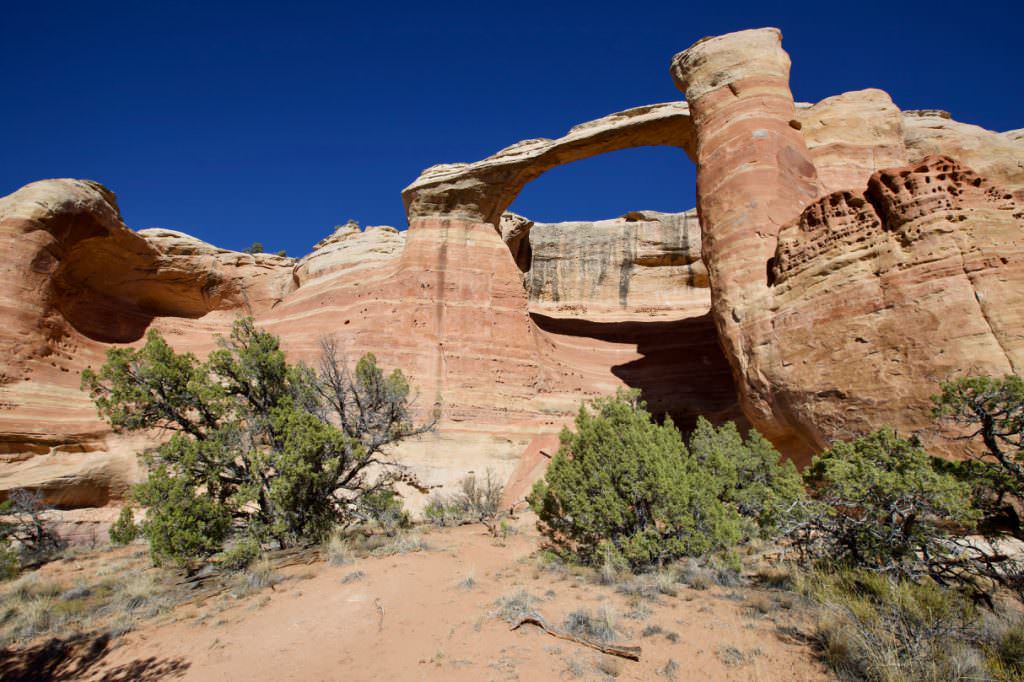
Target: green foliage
(385, 507)
(9, 562)
(880, 503)
(625, 486)
(990, 412)
(183, 524)
(439, 511)
(749, 474)
(241, 555)
(124, 530)
(260, 446)
(255, 247)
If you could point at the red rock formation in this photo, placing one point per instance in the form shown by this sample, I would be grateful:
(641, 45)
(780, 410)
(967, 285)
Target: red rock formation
(754, 173)
(870, 298)
(75, 278)
(834, 286)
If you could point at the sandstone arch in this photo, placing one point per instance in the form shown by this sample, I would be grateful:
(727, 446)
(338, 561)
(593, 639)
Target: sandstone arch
(482, 191)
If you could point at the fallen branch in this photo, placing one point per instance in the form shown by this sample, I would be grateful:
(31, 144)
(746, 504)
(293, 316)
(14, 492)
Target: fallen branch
(630, 652)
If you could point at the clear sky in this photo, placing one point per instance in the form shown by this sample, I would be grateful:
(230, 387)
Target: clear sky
(273, 122)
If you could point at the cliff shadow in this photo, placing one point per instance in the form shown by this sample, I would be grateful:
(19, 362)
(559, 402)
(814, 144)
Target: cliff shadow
(682, 372)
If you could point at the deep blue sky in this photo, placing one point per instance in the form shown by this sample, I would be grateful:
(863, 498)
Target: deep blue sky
(273, 122)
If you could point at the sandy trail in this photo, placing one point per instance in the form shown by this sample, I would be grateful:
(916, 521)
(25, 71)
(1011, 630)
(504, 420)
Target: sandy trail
(409, 618)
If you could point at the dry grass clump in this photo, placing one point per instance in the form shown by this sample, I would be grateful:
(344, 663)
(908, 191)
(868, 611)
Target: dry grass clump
(339, 550)
(513, 607)
(402, 543)
(35, 606)
(875, 628)
(597, 625)
(700, 574)
(609, 665)
(669, 671)
(733, 656)
(468, 582)
(256, 578)
(650, 586)
(352, 577)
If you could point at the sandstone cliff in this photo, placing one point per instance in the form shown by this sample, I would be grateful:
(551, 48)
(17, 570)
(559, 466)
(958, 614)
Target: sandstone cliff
(847, 258)
(841, 310)
(644, 263)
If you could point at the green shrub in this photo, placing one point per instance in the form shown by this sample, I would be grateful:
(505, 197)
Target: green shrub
(9, 562)
(124, 531)
(275, 451)
(625, 486)
(749, 474)
(384, 506)
(989, 412)
(183, 525)
(439, 511)
(241, 555)
(881, 504)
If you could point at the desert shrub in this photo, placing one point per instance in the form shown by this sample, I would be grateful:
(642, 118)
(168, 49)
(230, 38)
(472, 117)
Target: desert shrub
(183, 523)
(255, 247)
(339, 550)
(513, 607)
(625, 485)
(749, 474)
(124, 531)
(384, 507)
(480, 499)
(989, 412)
(439, 510)
(1005, 650)
(477, 500)
(9, 562)
(26, 535)
(594, 625)
(241, 555)
(276, 451)
(879, 503)
(877, 627)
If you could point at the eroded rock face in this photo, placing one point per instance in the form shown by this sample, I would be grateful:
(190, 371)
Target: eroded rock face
(841, 311)
(879, 295)
(75, 279)
(645, 263)
(998, 157)
(843, 270)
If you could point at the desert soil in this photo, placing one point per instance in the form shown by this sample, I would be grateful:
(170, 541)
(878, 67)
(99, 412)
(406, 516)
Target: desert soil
(415, 617)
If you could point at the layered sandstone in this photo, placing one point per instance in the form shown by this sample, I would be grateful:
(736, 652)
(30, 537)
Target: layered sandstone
(848, 257)
(841, 311)
(849, 136)
(999, 157)
(645, 263)
(75, 280)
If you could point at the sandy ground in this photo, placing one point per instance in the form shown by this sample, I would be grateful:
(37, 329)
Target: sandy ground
(411, 617)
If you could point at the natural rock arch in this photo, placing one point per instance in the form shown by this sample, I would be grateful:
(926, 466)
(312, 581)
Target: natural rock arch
(482, 191)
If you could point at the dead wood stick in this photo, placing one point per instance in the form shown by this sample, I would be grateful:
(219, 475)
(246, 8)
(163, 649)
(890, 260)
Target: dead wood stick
(630, 652)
